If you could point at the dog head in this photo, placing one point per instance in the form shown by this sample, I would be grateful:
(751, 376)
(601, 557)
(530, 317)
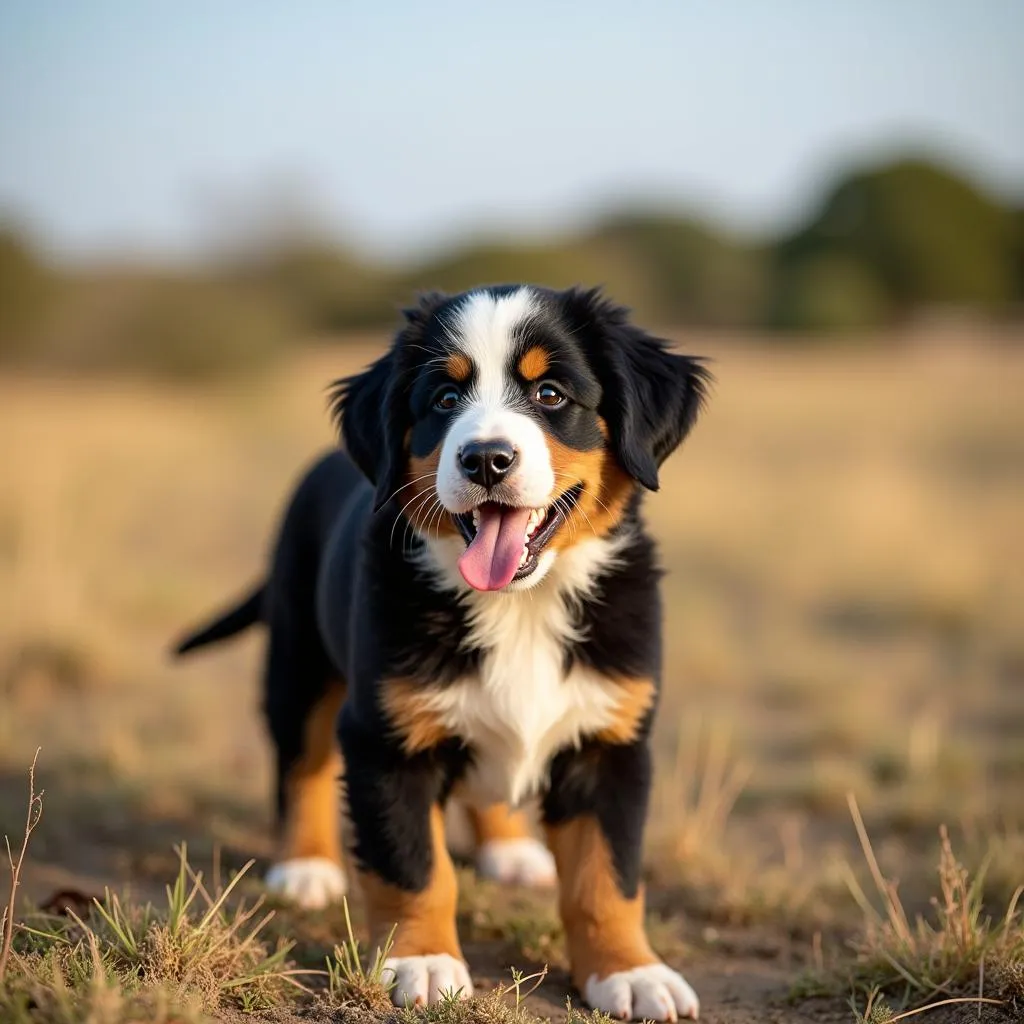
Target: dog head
(519, 420)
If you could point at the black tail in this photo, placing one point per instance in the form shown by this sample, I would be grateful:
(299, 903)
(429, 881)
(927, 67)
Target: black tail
(240, 617)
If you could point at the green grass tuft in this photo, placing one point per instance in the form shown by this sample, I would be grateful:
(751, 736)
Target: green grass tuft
(350, 982)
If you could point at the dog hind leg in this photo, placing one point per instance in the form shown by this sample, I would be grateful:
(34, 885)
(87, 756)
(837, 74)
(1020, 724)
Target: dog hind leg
(303, 698)
(506, 849)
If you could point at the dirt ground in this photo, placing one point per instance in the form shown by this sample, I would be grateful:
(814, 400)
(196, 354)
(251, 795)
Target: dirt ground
(845, 614)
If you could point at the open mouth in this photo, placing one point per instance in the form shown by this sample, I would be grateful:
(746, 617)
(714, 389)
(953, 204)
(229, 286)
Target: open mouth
(504, 543)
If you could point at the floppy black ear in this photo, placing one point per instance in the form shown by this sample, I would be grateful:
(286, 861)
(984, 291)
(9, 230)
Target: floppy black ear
(372, 407)
(368, 410)
(651, 396)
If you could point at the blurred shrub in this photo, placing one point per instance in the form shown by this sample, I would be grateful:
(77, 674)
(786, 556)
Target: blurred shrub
(694, 275)
(26, 292)
(577, 261)
(669, 270)
(828, 292)
(320, 286)
(885, 243)
(1017, 222)
(177, 327)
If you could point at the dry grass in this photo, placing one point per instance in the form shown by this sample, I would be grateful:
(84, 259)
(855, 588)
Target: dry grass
(200, 955)
(196, 952)
(845, 608)
(125, 961)
(958, 949)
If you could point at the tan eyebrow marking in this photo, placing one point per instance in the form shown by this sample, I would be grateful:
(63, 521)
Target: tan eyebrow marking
(534, 363)
(458, 367)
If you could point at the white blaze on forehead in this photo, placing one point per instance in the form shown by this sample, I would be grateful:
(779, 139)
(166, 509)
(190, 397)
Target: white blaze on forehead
(483, 328)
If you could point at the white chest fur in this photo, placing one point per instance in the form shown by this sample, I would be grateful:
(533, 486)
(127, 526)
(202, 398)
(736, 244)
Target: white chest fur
(523, 707)
(519, 713)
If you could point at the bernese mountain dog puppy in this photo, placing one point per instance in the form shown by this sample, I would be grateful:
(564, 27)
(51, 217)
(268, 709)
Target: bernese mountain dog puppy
(465, 603)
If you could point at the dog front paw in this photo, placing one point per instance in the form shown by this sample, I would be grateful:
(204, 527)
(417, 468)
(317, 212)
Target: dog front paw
(517, 862)
(424, 980)
(310, 882)
(651, 992)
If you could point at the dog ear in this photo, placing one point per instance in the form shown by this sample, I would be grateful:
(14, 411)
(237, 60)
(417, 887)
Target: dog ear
(372, 408)
(651, 396)
(367, 407)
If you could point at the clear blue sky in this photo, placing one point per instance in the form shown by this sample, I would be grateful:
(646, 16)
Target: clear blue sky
(135, 122)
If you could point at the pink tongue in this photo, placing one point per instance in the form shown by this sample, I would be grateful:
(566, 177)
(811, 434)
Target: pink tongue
(491, 560)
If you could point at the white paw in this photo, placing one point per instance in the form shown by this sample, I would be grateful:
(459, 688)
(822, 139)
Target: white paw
(652, 992)
(310, 882)
(423, 980)
(517, 861)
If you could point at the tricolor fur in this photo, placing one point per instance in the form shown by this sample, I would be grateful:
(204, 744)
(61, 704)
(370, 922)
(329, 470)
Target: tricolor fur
(473, 587)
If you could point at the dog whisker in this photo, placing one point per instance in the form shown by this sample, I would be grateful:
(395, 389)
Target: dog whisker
(415, 480)
(427, 516)
(419, 497)
(441, 512)
(595, 497)
(409, 523)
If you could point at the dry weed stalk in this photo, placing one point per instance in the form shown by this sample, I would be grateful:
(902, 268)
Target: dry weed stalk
(32, 816)
(704, 774)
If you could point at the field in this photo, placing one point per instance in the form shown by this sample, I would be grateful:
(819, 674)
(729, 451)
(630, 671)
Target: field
(845, 615)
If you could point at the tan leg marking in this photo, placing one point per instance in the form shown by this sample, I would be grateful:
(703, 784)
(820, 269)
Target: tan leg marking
(313, 792)
(498, 821)
(415, 722)
(637, 698)
(604, 930)
(425, 920)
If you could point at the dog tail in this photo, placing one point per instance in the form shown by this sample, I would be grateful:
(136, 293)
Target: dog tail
(243, 615)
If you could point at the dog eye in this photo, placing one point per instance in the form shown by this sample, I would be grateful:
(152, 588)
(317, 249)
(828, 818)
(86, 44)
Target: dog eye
(548, 395)
(446, 398)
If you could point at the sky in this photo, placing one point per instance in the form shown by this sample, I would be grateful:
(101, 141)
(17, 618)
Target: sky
(150, 126)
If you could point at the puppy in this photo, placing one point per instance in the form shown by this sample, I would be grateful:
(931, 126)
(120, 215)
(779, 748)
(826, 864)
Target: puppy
(468, 603)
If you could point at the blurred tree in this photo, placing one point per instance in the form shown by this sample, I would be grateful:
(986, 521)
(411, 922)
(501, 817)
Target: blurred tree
(925, 235)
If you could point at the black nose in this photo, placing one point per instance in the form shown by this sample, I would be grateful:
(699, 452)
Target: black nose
(487, 462)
